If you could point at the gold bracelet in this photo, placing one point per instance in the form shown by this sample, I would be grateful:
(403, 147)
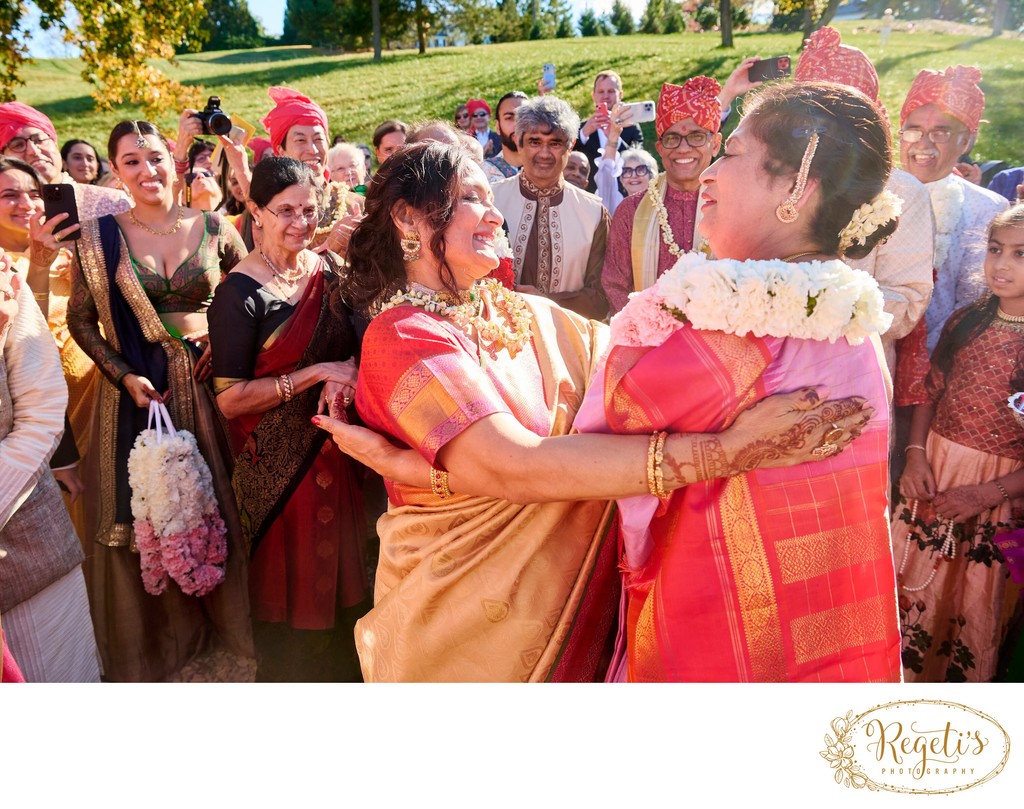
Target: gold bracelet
(280, 393)
(286, 383)
(41, 296)
(1002, 490)
(439, 483)
(655, 456)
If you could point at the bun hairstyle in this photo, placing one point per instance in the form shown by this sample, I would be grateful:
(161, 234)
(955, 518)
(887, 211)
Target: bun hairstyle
(137, 128)
(424, 176)
(853, 159)
(967, 324)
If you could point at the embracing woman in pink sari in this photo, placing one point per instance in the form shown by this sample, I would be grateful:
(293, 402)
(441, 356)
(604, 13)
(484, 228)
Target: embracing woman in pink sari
(769, 574)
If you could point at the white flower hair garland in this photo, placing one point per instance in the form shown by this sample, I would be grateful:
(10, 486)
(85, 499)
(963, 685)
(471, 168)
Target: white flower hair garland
(868, 218)
(814, 301)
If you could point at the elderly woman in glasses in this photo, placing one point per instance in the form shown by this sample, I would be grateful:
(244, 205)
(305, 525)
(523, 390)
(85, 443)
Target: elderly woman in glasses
(283, 352)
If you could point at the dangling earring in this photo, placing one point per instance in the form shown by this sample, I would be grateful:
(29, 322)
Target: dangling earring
(787, 212)
(411, 246)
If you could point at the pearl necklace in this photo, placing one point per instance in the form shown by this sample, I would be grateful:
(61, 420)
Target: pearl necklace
(667, 236)
(946, 553)
(291, 279)
(154, 231)
(1009, 318)
(468, 314)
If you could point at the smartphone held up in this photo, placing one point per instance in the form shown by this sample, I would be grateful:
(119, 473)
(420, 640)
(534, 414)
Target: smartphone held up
(60, 198)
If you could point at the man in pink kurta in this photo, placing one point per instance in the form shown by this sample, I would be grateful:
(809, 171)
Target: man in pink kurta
(639, 247)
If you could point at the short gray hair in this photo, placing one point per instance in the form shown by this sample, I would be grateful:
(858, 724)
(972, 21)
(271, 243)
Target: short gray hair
(643, 156)
(548, 114)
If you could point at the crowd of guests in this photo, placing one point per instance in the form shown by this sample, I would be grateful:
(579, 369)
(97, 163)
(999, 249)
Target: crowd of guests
(793, 505)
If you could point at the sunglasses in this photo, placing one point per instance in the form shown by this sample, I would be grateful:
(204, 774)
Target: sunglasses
(639, 171)
(480, 115)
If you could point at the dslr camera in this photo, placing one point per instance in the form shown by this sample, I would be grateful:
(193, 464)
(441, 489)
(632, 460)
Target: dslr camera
(214, 120)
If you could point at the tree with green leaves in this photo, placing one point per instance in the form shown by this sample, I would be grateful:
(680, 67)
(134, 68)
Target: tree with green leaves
(621, 18)
(653, 20)
(117, 40)
(229, 25)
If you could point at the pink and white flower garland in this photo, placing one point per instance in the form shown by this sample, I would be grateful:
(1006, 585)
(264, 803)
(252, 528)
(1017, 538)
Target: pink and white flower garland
(814, 300)
(178, 526)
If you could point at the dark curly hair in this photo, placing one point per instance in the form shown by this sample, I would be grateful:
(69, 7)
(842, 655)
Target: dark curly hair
(425, 176)
(853, 158)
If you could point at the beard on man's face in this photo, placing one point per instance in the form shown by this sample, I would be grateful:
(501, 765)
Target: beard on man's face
(508, 142)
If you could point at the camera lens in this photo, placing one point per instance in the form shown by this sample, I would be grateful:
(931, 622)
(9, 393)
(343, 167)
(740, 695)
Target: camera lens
(218, 123)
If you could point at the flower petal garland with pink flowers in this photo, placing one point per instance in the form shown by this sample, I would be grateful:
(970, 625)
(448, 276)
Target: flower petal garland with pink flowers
(178, 527)
(815, 301)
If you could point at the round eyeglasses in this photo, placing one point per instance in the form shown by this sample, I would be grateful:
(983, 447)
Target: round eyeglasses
(19, 145)
(639, 171)
(289, 215)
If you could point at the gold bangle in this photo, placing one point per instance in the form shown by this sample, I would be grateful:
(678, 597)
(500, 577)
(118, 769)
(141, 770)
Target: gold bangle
(289, 389)
(655, 456)
(439, 483)
(1002, 490)
(41, 296)
(280, 393)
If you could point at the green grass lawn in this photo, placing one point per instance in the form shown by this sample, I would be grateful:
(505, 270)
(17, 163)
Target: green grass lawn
(358, 94)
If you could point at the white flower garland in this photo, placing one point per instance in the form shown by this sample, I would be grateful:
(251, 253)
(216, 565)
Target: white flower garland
(947, 197)
(667, 236)
(815, 301)
(468, 314)
(868, 218)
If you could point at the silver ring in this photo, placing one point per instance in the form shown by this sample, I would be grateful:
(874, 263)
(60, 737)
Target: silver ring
(825, 450)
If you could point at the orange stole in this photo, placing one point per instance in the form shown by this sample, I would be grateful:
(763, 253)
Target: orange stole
(776, 575)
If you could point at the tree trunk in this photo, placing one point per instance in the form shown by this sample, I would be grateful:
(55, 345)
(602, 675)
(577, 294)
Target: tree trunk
(725, 21)
(999, 17)
(376, 30)
(811, 24)
(421, 28)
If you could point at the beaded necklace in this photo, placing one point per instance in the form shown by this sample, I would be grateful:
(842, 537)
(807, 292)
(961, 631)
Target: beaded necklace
(468, 313)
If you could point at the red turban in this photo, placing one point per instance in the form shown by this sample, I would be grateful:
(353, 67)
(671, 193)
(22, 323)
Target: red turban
(258, 146)
(293, 109)
(954, 90)
(697, 99)
(825, 58)
(475, 104)
(15, 116)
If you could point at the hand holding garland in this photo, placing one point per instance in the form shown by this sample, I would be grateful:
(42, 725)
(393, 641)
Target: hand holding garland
(499, 457)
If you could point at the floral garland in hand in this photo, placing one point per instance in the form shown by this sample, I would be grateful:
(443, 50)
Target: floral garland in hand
(667, 236)
(468, 314)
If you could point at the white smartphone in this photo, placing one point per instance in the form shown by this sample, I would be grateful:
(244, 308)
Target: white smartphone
(549, 75)
(643, 111)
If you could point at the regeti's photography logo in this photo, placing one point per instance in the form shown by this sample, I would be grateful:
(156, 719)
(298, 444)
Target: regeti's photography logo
(917, 746)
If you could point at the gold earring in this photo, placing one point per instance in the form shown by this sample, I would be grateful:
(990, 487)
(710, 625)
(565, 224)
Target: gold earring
(787, 212)
(411, 246)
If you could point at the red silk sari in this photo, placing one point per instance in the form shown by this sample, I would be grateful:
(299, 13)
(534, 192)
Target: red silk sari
(310, 559)
(775, 575)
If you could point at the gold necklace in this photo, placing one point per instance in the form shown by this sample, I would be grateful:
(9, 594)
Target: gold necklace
(1009, 318)
(148, 229)
(468, 314)
(291, 279)
(800, 255)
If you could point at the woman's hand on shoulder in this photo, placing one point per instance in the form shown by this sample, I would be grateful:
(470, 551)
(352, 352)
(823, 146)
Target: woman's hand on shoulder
(376, 452)
(785, 429)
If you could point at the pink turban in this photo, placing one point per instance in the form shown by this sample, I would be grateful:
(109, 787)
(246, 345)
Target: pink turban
(697, 99)
(258, 146)
(825, 58)
(15, 116)
(293, 109)
(954, 90)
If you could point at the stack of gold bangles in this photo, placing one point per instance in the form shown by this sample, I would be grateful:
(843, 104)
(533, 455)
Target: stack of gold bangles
(655, 456)
(285, 388)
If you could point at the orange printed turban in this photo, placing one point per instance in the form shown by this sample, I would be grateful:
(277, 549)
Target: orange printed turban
(292, 109)
(954, 90)
(825, 58)
(15, 116)
(697, 99)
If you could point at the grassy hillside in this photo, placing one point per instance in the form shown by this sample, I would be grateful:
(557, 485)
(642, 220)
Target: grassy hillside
(358, 94)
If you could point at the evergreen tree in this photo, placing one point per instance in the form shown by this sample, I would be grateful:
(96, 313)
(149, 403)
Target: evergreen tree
(652, 21)
(622, 18)
(589, 24)
(565, 30)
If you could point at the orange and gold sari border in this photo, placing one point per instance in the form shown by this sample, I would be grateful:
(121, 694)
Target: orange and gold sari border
(844, 627)
(752, 576)
(806, 557)
(621, 405)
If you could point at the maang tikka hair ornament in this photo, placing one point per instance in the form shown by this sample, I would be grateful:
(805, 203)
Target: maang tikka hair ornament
(140, 141)
(787, 212)
(411, 246)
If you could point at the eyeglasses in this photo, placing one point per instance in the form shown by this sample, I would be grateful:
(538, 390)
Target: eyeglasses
(937, 136)
(19, 145)
(696, 139)
(462, 115)
(639, 171)
(480, 114)
(290, 215)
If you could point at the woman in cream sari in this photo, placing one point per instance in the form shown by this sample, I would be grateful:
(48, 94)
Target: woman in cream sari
(496, 559)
